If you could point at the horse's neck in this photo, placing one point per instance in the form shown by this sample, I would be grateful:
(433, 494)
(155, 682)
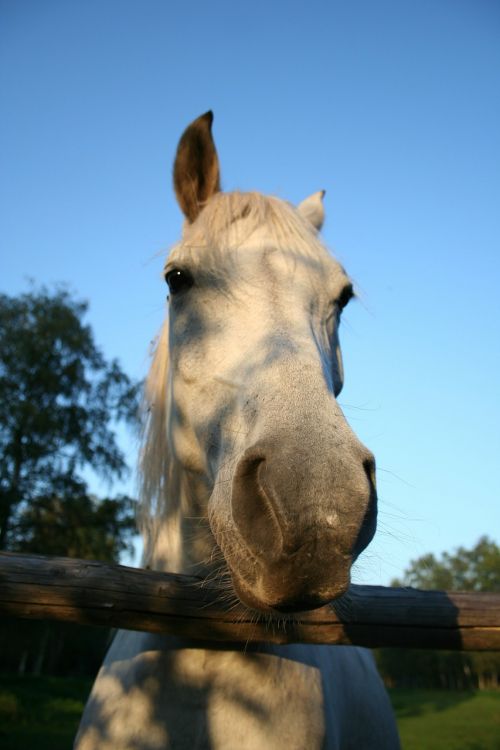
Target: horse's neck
(183, 542)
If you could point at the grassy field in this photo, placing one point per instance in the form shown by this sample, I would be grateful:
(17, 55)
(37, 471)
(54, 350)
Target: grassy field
(40, 712)
(447, 720)
(43, 713)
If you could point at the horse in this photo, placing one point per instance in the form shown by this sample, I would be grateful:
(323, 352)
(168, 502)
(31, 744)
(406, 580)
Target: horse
(252, 478)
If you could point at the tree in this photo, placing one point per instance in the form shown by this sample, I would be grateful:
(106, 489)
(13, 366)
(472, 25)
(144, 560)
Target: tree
(475, 569)
(77, 525)
(58, 398)
(72, 523)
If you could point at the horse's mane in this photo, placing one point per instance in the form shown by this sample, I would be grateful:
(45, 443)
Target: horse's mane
(226, 222)
(154, 464)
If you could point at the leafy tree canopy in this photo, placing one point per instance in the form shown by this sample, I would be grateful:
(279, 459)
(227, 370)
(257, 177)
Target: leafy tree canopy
(76, 525)
(476, 569)
(59, 397)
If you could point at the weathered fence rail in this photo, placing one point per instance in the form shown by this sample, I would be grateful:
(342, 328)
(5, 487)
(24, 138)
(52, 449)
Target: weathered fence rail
(95, 593)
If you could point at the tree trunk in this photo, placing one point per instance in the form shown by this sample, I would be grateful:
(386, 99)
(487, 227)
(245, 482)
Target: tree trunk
(42, 650)
(12, 496)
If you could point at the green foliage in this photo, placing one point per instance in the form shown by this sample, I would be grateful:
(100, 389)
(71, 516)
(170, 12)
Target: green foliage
(477, 569)
(58, 398)
(449, 670)
(77, 525)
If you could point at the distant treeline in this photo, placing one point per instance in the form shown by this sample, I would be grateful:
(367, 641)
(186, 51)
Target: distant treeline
(51, 648)
(452, 670)
(475, 569)
(68, 650)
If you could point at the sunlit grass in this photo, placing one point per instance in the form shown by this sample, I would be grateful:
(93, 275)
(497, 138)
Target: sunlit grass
(447, 720)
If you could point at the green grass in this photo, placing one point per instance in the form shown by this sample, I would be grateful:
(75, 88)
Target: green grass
(40, 712)
(447, 720)
(43, 713)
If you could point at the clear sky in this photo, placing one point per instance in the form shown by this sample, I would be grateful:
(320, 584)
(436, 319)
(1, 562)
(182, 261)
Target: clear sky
(391, 106)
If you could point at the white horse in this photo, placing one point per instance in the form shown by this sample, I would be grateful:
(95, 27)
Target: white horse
(252, 477)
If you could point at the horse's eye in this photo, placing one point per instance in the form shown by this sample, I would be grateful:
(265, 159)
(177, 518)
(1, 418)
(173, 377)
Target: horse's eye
(178, 281)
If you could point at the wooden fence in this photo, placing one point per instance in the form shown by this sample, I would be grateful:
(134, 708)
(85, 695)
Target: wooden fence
(95, 593)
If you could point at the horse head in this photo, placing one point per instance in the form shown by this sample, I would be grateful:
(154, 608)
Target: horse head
(252, 419)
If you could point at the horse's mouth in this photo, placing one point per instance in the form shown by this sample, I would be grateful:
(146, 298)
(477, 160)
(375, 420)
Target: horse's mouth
(270, 600)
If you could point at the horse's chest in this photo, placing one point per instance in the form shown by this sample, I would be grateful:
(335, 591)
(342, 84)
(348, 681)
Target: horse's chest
(246, 700)
(149, 696)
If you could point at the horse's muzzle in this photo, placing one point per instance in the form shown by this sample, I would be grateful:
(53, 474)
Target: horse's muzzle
(296, 550)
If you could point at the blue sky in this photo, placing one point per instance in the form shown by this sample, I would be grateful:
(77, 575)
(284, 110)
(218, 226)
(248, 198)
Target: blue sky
(391, 106)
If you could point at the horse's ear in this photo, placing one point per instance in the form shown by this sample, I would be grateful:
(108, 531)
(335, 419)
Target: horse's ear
(196, 167)
(313, 210)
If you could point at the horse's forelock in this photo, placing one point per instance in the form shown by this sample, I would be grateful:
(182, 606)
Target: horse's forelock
(229, 219)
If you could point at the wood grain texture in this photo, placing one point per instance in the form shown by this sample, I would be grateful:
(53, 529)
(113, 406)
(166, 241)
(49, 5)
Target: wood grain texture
(95, 593)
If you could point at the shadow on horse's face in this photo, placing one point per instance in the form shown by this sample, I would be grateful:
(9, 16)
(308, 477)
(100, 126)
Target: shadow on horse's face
(255, 369)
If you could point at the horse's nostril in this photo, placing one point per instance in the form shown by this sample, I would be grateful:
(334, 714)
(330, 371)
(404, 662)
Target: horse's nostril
(369, 523)
(369, 467)
(252, 508)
